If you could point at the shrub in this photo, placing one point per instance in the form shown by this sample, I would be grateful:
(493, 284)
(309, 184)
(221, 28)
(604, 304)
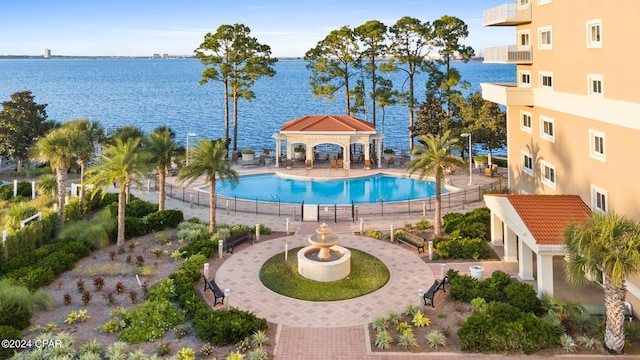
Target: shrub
(393, 317)
(98, 282)
(406, 340)
(524, 297)
(226, 327)
(263, 230)
(456, 247)
(420, 320)
(164, 349)
(73, 210)
(182, 331)
(493, 288)
(161, 290)
(436, 338)
(424, 225)
(150, 320)
(379, 324)
(8, 332)
(504, 328)
(162, 220)
(464, 288)
(383, 340)
(567, 343)
(185, 354)
(77, 316)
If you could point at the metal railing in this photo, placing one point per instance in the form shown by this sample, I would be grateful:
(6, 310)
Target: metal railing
(334, 212)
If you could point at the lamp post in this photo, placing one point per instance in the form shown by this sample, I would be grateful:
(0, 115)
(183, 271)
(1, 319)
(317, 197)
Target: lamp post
(470, 154)
(187, 149)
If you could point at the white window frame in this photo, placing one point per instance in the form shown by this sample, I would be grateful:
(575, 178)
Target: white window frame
(544, 134)
(544, 2)
(591, 80)
(522, 73)
(541, 76)
(523, 157)
(526, 46)
(523, 4)
(591, 42)
(599, 199)
(545, 46)
(594, 135)
(548, 178)
(523, 127)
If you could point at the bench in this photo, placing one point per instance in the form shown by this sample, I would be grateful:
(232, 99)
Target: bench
(412, 240)
(236, 240)
(218, 295)
(431, 293)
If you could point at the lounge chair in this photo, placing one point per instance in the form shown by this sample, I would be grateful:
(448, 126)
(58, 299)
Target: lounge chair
(340, 163)
(262, 161)
(487, 172)
(391, 162)
(403, 162)
(333, 163)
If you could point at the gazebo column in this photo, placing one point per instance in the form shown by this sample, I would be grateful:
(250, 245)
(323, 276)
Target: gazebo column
(289, 152)
(347, 157)
(545, 274)
(367, 159)
(379, 153)
(309, 157)
(278, 151)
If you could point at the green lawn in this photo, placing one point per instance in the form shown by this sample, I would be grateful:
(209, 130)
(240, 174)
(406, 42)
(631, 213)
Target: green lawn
(368, 274)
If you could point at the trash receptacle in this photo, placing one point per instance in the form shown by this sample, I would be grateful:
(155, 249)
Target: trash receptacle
(476, 272)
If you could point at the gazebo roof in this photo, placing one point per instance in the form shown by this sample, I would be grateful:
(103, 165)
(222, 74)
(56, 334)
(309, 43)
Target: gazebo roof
(328, 123)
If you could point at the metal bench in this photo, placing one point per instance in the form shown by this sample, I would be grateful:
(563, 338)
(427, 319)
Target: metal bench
(412, 240)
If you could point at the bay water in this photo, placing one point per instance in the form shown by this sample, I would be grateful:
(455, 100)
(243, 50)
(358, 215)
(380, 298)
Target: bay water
(154, 92)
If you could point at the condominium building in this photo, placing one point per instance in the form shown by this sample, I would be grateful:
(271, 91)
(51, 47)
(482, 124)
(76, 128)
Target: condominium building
(573, 115)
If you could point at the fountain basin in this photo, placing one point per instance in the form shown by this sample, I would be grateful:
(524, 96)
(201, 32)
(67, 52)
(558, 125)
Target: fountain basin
(324, 271)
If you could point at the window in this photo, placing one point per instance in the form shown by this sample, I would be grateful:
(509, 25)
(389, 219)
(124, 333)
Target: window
(525, 121)
(598, 199)
(595, 85)
(594, 33)
(527, 163)
(525, 78)
(597, 145)
(549, 174)
(546, 80)
(547, 128)
(523, 3)
(523, 39)
(544, 38)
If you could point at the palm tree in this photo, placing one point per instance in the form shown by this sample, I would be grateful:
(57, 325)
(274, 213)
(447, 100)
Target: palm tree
(159, 148)
(208, 158)
(59, 148)
(607, 244)
(94, 135)
(434, 157)
(120, 163)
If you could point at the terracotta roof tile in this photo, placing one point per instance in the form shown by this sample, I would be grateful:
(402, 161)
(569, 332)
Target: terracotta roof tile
(333, 123)
(547, 216)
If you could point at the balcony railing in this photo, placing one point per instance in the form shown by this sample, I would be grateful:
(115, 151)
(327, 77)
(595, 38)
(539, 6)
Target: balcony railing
(508, 54)
(507, 15)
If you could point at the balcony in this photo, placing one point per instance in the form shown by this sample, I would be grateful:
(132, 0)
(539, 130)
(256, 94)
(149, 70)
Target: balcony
(507, 15)
(508, 54)
(507, 94)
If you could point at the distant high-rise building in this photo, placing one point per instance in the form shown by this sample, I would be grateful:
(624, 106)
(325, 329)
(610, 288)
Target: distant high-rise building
(47, 53)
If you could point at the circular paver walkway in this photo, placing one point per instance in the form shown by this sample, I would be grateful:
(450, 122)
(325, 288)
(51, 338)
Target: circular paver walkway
(240, 273)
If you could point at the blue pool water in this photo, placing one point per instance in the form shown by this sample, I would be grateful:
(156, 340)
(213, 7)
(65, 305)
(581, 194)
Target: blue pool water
(271, 187)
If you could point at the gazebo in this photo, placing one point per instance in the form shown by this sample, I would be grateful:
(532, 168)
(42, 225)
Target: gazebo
(340, 130)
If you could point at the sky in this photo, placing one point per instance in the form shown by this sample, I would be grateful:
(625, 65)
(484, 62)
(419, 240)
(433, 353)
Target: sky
(177, 27)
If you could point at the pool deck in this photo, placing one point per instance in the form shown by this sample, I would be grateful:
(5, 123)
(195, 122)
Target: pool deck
(311, 330)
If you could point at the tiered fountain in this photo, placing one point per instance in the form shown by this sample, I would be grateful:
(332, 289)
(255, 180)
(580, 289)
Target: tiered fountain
(324, 260)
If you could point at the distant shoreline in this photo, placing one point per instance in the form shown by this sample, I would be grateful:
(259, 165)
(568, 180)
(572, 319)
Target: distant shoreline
(169, 57)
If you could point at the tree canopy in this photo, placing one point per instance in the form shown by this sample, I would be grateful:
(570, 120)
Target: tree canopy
(23, 122)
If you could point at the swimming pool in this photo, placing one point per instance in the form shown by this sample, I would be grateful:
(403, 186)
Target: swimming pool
(370, 189)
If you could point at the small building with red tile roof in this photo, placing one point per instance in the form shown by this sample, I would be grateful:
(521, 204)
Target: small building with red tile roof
(313, 130)
(534, 224)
